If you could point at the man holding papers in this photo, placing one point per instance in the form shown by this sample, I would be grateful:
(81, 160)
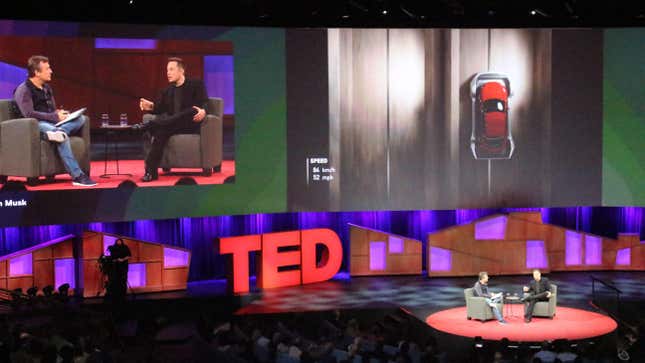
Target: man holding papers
(481, 289)
(35, 99)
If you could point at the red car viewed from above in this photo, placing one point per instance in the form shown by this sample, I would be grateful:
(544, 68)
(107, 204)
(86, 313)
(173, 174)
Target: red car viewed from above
(491, 135)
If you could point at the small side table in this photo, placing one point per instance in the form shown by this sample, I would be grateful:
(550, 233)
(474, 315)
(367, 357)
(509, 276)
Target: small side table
(109, 131)
(509, 301)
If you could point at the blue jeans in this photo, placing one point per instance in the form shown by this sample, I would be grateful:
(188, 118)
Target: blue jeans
(493, 307)
(65, 148)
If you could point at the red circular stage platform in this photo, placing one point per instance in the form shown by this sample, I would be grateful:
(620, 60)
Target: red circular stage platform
(568, 323)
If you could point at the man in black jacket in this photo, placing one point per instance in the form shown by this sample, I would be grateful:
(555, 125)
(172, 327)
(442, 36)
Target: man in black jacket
(538, 290)
(118, 277)
(180, 110)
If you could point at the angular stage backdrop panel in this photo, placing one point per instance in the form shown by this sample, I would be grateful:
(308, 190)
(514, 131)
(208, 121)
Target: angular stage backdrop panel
(49, 263)
(153, 266)
(518, 242)
(374, 252)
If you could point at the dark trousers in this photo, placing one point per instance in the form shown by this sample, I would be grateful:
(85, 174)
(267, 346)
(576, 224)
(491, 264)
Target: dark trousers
(163, 127)
(117, 285)
(532, 300)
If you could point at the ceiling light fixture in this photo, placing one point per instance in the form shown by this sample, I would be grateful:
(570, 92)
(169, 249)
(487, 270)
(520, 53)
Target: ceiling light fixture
(537, 11)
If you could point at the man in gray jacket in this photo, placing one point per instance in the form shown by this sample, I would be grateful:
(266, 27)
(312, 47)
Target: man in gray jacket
(35, 99)
(481, 289)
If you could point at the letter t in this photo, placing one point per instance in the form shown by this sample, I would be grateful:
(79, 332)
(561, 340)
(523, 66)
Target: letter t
(239, 247)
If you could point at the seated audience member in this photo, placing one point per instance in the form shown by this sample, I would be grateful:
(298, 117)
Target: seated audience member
(546, 354)
(564, 353)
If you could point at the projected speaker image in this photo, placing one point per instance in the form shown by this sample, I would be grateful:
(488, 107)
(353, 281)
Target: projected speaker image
(445, 118)
(171, 121)
(128, 125)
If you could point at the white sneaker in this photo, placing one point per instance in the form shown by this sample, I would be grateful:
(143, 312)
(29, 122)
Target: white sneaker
(56, 136)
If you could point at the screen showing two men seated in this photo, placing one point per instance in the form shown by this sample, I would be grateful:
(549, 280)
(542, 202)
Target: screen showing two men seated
(144, 109)
(97, 125)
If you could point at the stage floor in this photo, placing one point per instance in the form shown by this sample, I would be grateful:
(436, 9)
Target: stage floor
(568, 323)
(136, 170)
(576, 318)
(423, 296)
(418, 295)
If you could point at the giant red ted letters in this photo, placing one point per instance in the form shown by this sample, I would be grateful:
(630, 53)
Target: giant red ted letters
(304, 268)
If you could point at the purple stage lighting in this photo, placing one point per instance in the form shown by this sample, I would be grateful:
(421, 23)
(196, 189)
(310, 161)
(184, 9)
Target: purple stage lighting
(536, 255)
(21, 265)
(593, 250)
(395, 244)
(440, 259)
(137, 275)
(631, 219)
(39, 28)
(573, 249)
(10, 77)
(493, 228)
(122, 43)
(64, 272)
(219, 80)
(174, 258)
(463, 216)
(624, 257)
(377, 256)
(107, 242)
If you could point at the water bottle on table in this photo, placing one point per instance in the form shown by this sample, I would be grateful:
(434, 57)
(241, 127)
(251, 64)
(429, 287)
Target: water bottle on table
(105, 120)
(123, 120)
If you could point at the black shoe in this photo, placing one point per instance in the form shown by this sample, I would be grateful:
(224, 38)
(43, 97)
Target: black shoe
(143, 126)
(148, 177)
(527, 320)
(83, 181)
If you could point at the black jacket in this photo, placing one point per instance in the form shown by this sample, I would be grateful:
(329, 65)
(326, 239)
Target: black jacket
(480, 289)
(538, 288)
(193, 93)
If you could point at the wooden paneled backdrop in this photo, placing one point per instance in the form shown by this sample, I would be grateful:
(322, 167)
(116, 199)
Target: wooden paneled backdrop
(158, 277)
(43, 258)
(108, 80)
(508, 255)
(36, 266)
(405, 262)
